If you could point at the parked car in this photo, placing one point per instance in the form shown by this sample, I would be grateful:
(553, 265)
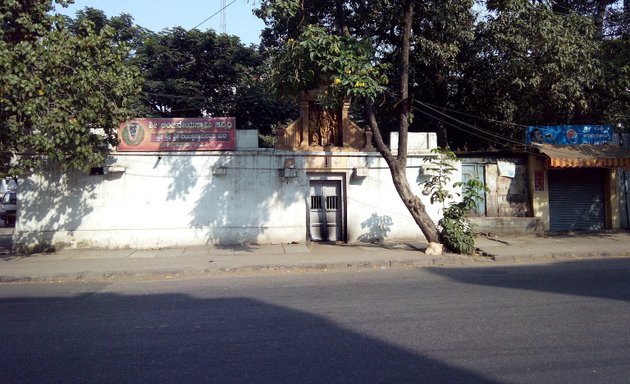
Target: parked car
(8, 207)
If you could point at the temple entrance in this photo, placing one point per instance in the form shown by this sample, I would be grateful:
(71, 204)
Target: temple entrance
(326, 210)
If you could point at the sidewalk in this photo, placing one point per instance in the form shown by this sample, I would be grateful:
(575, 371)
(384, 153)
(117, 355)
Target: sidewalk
(92, 264)
(565, 246)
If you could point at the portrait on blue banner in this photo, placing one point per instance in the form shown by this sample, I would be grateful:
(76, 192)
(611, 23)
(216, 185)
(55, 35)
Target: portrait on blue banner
(569, 134)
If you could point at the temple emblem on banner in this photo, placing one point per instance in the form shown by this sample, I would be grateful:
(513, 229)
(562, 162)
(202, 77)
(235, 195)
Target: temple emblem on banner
(177, 134)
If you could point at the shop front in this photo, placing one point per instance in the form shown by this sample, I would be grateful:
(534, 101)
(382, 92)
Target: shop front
(574, 184)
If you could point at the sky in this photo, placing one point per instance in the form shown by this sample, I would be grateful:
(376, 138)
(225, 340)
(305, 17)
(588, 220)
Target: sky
(158, 15)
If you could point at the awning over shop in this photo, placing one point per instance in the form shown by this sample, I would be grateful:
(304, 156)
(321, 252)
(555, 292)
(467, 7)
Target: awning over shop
(586, 156)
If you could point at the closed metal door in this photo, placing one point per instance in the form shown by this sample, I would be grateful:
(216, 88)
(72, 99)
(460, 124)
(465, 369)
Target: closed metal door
(576, 200)
(325, 212)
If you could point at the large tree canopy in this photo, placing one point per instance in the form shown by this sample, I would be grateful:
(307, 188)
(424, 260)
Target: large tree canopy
(62, 94)
(542, 62)
(500, 64)
(325, 46)
(193, 73)
(500, 67)
(534, 66)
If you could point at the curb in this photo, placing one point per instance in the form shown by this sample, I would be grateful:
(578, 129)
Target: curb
(94, 276)
(199, 272)
(560, 256)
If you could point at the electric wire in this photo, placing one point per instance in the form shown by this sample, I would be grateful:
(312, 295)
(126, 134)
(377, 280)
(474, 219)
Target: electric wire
(214, 14)
(480, 133)
(528, 148)
(476, 116)
(483, 131)
(557, 149)
(175, 96)
(205, 97)
(458, 127)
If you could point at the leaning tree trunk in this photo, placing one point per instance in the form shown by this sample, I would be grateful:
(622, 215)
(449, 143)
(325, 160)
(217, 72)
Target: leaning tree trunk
(414, 205)
(398, 164)
(398, 171)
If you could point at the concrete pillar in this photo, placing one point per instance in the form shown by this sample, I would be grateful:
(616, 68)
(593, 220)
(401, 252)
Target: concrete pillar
(539, 188)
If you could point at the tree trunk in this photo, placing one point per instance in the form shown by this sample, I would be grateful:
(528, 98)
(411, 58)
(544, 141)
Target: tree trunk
(598, 19)
(415, 206)
(399, 177)
(626, 18)
(440, 87)
(398, 164)
(341, 19)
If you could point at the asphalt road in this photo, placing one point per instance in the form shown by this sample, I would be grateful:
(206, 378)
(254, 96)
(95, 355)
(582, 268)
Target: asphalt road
(548, 323)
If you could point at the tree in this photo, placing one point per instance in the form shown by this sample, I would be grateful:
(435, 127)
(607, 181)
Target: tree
(326, 53)
(548, 62)
(442, 32)
(523, 62)
(125, 31)
(398, 164)
(532, 66)
(456, 231)
(196, 73)
(62, 95)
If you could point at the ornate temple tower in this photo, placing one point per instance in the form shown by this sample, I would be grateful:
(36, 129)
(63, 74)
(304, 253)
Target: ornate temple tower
(320, 129)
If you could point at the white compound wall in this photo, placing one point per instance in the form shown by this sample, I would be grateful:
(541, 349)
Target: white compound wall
(157, 200)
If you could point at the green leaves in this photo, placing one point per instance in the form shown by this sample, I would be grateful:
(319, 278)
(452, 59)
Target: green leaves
(440, 167)
(193, 72)
(63, 95)
(342, 65)
(456, 231)
(540, 66)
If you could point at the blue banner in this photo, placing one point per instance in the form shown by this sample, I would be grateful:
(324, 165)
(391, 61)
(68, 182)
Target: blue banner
(569, 134)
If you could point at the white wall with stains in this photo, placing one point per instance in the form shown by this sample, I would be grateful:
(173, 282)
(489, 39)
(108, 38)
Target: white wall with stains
(157, 200)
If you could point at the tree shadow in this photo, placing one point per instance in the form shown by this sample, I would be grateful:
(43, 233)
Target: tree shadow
(171, 199)
(238, 197)
(109, 338)
(55, 201)
(377, 228)
(608, 279)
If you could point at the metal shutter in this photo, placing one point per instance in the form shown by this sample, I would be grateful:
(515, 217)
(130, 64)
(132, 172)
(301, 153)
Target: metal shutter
(576, 199)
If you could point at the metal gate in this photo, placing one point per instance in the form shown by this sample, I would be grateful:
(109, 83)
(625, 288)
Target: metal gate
(471, 172)
(325, 210)
(576, 200)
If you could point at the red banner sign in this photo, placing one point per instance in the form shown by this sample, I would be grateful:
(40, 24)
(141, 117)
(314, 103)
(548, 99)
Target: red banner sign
(177, 134)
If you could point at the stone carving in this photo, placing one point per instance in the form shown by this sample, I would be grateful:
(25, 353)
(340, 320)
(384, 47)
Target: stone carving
(319, 128)
(324, 127)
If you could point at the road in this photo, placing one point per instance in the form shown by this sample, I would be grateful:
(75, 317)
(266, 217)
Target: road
(544, 323)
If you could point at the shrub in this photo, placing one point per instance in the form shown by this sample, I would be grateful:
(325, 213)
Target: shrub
(456, 231)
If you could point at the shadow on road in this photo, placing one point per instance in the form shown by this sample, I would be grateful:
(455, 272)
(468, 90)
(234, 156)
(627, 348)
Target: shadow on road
(609, 278)
(108, 338)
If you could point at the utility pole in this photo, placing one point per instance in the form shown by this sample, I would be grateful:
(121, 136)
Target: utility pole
(222, 27)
